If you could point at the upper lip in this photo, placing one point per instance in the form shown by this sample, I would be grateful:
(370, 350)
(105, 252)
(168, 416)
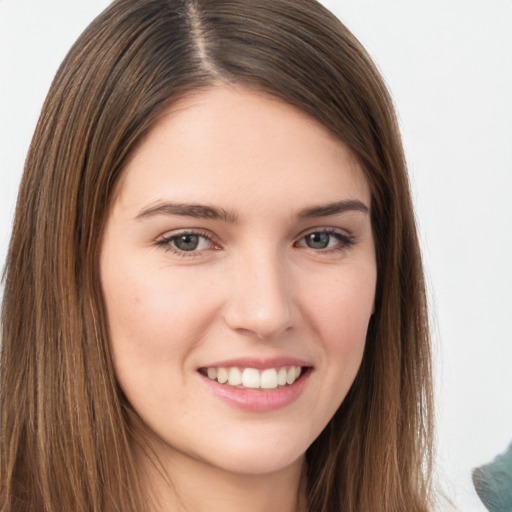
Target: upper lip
(258, 363)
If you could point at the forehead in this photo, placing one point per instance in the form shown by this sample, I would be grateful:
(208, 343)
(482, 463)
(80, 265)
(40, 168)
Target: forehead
(230, 144)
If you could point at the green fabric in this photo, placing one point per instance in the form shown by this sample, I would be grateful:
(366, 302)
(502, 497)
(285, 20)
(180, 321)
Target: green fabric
(493, 483)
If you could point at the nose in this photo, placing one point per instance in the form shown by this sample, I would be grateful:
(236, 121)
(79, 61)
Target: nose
(260, 301)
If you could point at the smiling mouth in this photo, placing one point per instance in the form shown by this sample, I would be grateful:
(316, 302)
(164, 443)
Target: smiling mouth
(252, 378)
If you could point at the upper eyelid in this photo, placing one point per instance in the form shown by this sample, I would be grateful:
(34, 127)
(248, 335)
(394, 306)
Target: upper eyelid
(167, 235)
(324, 229)
(209, 234)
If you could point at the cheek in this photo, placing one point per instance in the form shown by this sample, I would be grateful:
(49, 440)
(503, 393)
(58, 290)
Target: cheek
(340, 313)
(151, 306)
(151, 335)
(341, 307)
(154, 320)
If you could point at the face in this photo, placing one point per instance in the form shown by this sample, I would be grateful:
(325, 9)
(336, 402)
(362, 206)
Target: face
(239, 274)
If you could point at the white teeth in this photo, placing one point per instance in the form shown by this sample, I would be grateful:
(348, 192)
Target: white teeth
(222, 375)
(281, 377)
(251, 378)
(270, 378)
(235, 377)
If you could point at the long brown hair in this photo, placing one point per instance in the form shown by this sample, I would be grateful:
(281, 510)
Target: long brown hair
(66, 436)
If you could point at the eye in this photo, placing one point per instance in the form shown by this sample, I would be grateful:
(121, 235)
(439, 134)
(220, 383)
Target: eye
(325, 240)
(186, 242)
(318, 240)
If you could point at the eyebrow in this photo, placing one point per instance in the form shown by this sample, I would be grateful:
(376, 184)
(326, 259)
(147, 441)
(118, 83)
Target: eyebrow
(333, 209)
(200, 211)
(197, 211)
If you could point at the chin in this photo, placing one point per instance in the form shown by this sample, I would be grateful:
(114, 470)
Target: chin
(260, 463)
(243, 454)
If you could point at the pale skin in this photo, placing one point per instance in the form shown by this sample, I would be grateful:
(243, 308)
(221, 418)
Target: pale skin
(240, 229)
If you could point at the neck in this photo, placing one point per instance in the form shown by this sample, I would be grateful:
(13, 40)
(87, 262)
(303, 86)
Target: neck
(183, 484)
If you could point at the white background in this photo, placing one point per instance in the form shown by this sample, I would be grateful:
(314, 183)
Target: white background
(449, 66)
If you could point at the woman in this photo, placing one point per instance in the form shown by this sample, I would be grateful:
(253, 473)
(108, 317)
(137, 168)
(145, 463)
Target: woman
(214, 294)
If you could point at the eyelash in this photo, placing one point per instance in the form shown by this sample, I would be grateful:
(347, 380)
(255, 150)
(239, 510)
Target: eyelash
(166, 242)
(345, 241)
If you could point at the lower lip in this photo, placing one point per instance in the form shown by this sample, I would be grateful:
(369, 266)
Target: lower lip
(255, 400)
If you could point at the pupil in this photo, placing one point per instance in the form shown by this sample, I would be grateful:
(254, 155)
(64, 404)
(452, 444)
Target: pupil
(317, 240)
(187, 242)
